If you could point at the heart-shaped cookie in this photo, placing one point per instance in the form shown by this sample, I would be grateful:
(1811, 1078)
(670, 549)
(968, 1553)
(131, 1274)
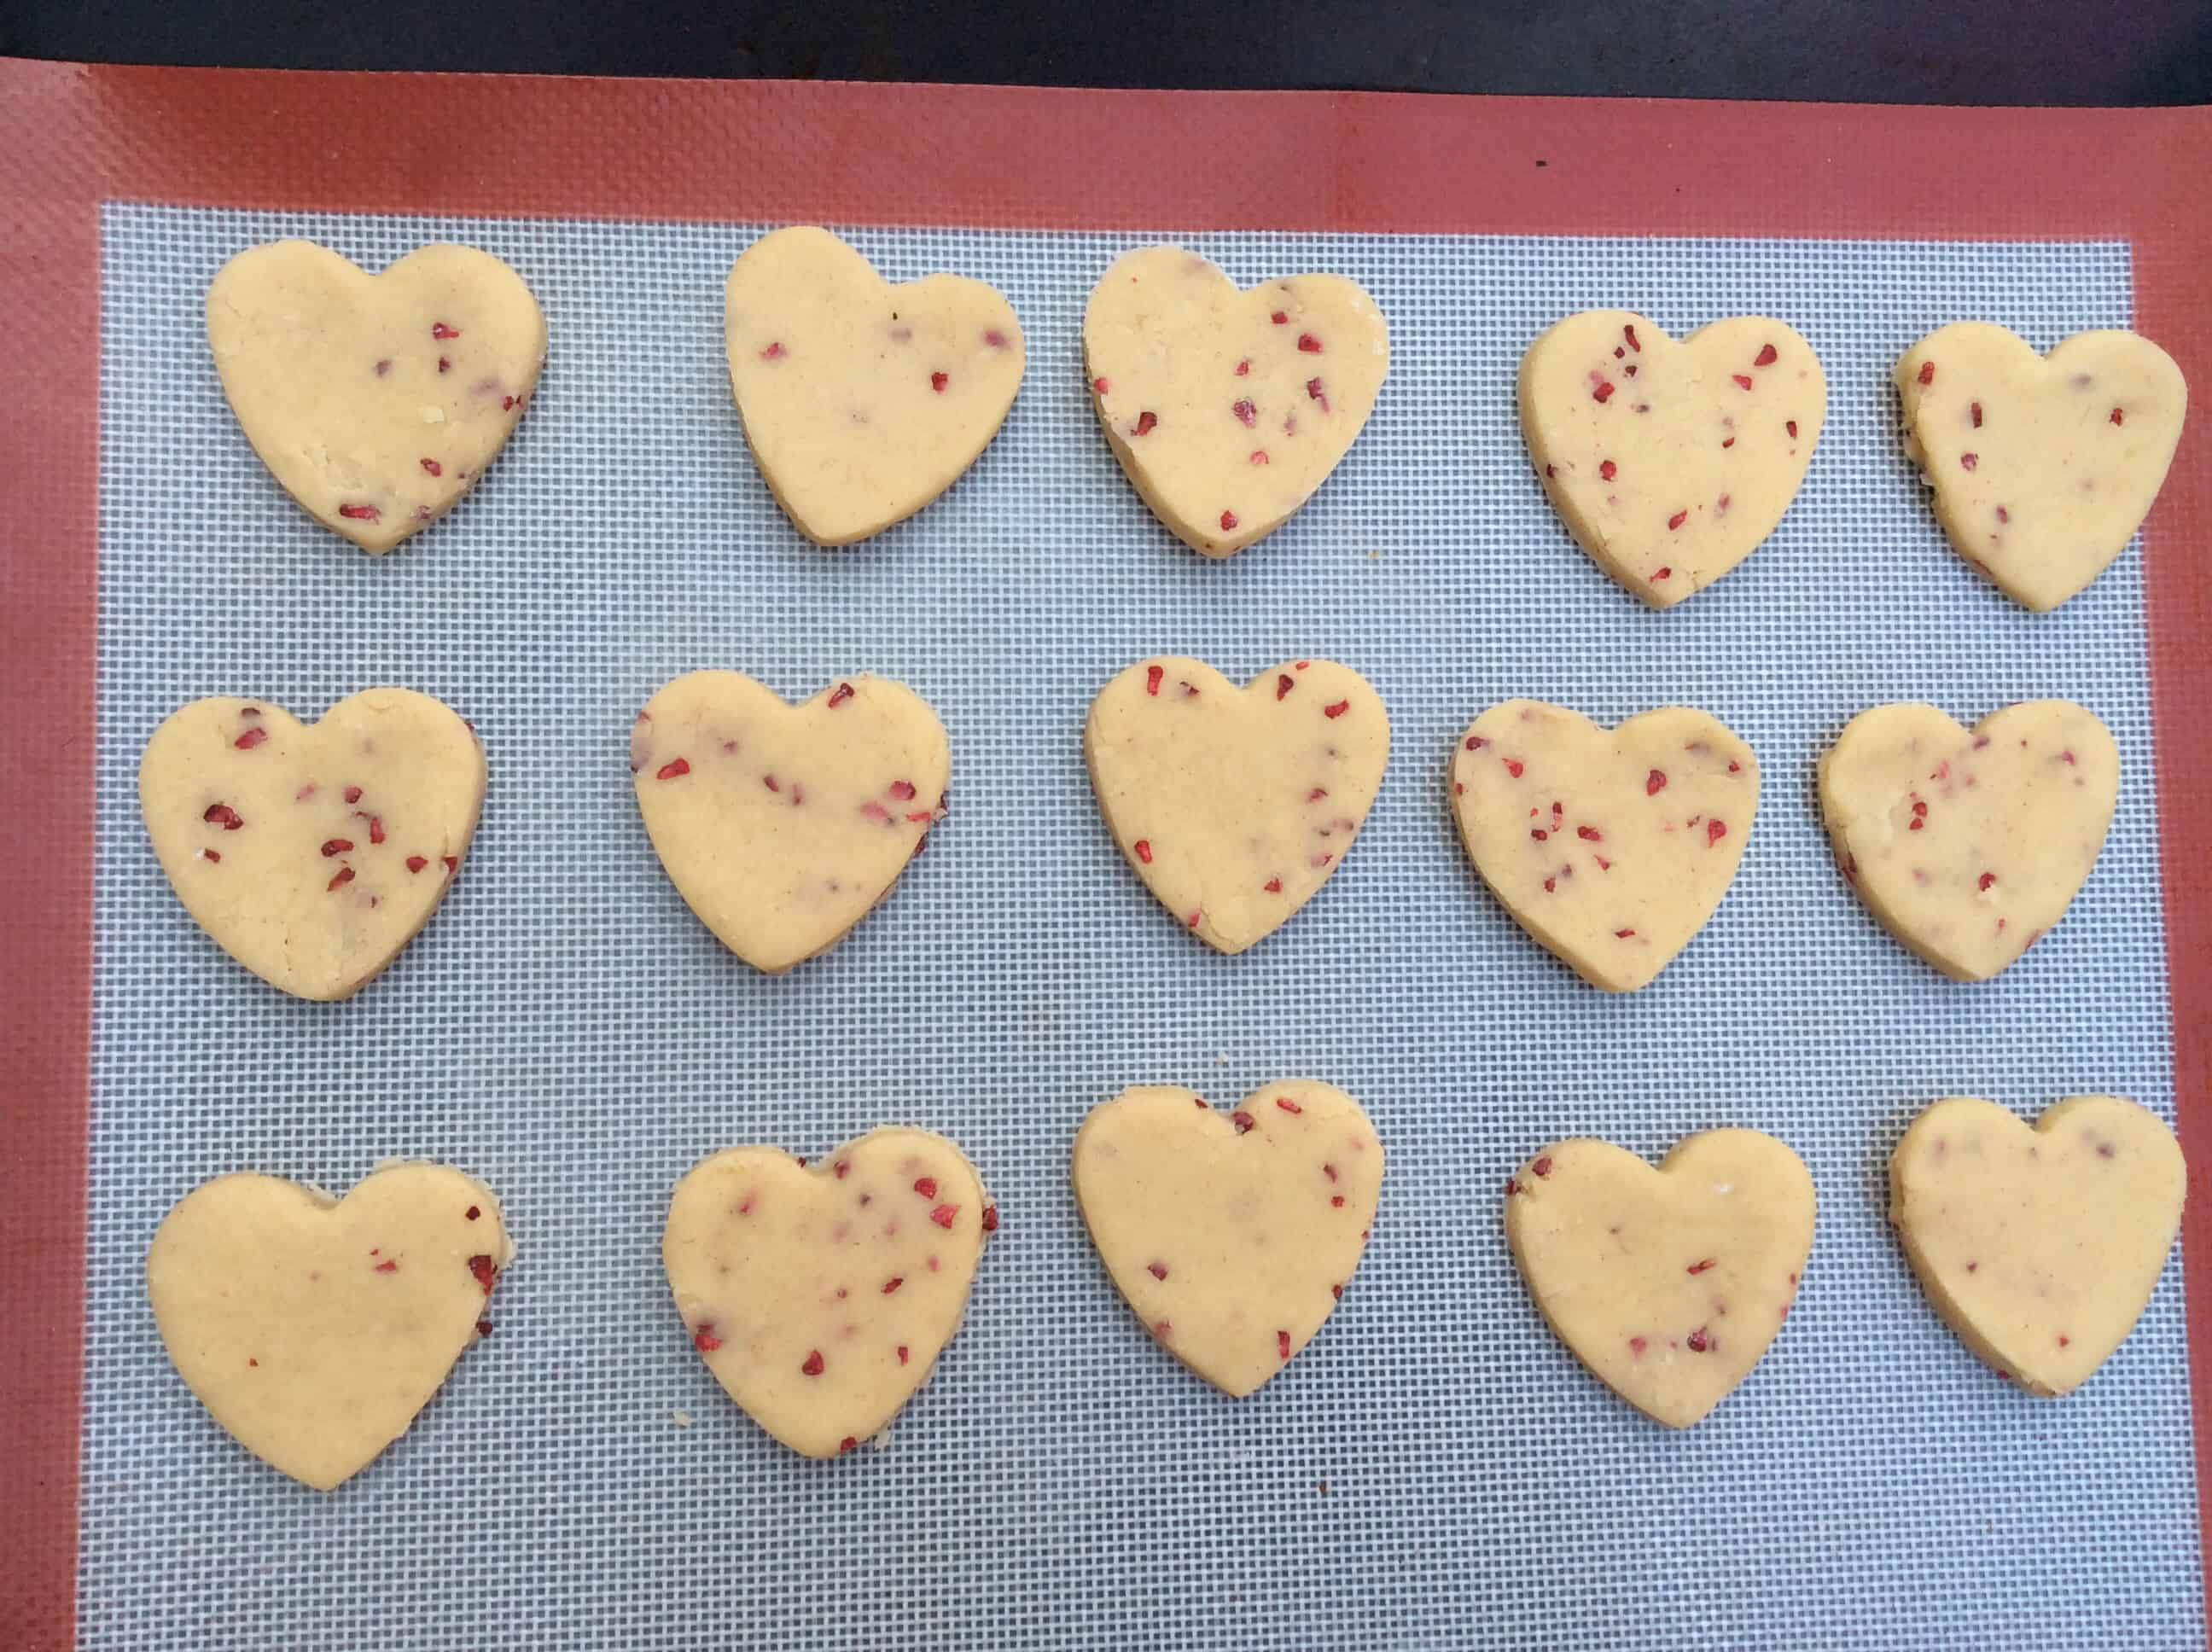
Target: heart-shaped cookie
(2039, 1246)
(376, 401)
(1968, 845)
(1610, 847)
(1235, 805)
(1232, 1236)
(2043, 467)
(1228, 410)
(782, 825)
(862, 401)
(313, 853)
(1670, 462)
(314, 1329)
(820, 1295)
(1667, 1284)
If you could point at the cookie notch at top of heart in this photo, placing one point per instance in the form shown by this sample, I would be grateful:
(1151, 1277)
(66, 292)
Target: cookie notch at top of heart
(2042, 467)
(1227, 410)
(1670, 462)
(376, 401)
(313, 853)
(1235, 805)
(862, 401)
(1610, 847)
(782, 826)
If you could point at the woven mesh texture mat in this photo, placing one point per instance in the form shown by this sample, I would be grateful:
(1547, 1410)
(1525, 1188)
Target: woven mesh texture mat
(1436, 1470)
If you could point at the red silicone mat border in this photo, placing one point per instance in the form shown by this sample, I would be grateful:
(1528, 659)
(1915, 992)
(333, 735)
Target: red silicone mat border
(71, 137)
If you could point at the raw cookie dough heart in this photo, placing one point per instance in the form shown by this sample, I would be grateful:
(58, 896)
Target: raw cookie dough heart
(1667, 1284)
(1968, 845)
(376, 401)
(781, 825)
(1610, 847)
(1228, 410)
(2039, 1246)
(2043, 467)
(313, 853)
(821, 1296)
(1232, 1236)
(314, 1329)
(1234, 806)
(1669, 462)
(862, 401)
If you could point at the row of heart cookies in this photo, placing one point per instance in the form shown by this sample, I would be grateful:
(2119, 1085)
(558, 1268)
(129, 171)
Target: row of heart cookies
(377, 401)
(313, 853)
(820, 1295)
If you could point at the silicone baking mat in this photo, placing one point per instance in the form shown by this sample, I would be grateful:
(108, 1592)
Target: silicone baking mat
(1435, 1470)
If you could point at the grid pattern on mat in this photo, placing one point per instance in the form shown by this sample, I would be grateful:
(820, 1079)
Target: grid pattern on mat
(1435, 1470)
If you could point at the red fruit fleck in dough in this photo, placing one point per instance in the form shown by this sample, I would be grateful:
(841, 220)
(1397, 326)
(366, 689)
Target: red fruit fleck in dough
(774, 352)
(1629, 333)
(1976, 409)
(844, 692)
(1968, 461)
(1765, 358)
(1259, 456)
(1664, 573)
(1603, 392)
(1513, 766)
(1676, 521)
(990, 1218)
(1283, 684)
(813, 1365)
(1590, 833)
(440, 329)
(1243, 1120)
(1742, 380)
(1697, 1341)
(1288, 1105)
(336, 846)
(352, 794)
(1926, 373)
(1542, 1167)
(1099, 387)
(673, 769)
(1157, 1270)
(1309, 343)
(1143, 847)
(2116, 419)
(360, 512)
(433, 467)
(1608, 469)
(1280, 317)
(1146, 423)
(1336, 710)
(1714, 831)
(487, 1274)
(1228, 521)
(705, 1341)
(942, 1215)
(387, 1266)
(893, 1283)
(250, 739)
(1701, 1265)
(1790, 425)
(1245, 412)
(344, 876)
(1988, 879)
(927, 1186)
(938, 380)
(222, 815)
(1282, 1345)
(1273, 886)
(1152, 676)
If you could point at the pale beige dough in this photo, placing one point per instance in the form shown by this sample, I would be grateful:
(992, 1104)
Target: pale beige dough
(782, 825)
(1668, 1283)
(1968, 845)
(862, 401)
(2039, 1246)
(1232, 1235)
(376, 401)
(2043, 467)
(1610, 847)
(1227, 410)
(313, 853)
(314, 1329)
(1235, 805)
(820, 1295)
(1670, 462)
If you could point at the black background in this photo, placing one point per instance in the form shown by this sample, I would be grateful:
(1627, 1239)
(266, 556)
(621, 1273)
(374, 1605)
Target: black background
(2032, 51)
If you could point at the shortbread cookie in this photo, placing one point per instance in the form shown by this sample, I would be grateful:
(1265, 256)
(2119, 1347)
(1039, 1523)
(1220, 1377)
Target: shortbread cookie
(1670, 462)
(783, 825)
(313, 853)
(2043, 467)
(2039, 1246)
(1667, 1284)
(376, 401)
(821, 1295)
(1967, 846)
(862, 401)
(314, 1329)
(1610, 847)
(1228, 410)
(1232, 1236)
(1235, 805)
